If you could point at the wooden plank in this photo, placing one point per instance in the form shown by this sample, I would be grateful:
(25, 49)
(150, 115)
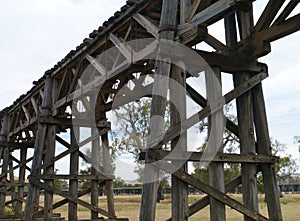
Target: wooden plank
(168, 21)
(268, 15)
(215, 142)
(222, 197)
(205, 112)
(148, 25)
(263, 144)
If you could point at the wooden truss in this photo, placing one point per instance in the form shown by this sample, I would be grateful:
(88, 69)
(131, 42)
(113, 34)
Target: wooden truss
(36, 119)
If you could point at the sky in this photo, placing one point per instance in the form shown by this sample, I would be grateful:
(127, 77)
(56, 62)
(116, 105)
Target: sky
(36, 34)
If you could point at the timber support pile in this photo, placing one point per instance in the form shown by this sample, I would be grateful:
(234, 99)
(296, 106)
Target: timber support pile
(65, 101)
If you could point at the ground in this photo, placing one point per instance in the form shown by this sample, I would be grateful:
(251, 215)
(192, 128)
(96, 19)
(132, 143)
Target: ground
(128, 206)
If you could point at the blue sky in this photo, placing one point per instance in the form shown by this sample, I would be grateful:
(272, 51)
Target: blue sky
(36, 34)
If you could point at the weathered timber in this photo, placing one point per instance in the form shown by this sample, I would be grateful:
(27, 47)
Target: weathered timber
(32, 200)
(215, 142)
(263, 141)
(158, 105)
(4, 152)
(218, 157)
(74, 167)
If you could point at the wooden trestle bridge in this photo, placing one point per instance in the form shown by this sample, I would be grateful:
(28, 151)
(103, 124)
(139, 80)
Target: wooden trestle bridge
(37, 119)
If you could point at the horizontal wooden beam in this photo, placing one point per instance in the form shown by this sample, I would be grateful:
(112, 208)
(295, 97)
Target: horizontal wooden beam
(71, 122)
(230, 64)
(70, 177)
(219, 157)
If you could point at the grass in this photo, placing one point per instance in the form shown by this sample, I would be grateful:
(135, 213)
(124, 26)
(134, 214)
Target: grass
(128, 207)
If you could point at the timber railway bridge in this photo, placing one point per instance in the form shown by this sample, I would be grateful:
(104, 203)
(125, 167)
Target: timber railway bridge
(37, 119)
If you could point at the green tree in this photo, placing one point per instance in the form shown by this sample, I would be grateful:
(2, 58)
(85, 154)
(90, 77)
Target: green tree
(59, 183)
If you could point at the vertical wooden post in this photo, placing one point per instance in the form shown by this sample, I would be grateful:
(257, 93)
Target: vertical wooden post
(158, 106)
(50, 145)
(263, 146)
(95, 171)
(12, 181)
(23, 154)
(216, 169)
(5, 155)
(32, 201)
(245, 117)
(108, 171)
(178, 114)
(74, 167)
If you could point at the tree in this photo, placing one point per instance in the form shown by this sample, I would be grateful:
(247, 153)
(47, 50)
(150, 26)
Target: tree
(284, 169)
(59, 183)
(132, 129)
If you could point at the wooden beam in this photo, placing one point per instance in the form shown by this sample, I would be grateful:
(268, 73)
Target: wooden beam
(70, 122)
(147, 24)
(32, 201)
(97, 65)
(178, 113)
(231, 64)
(70, 177)
(212, 14)
(4, 156)
(268, 15)
(122, 47)
(263, 144)
(220, 157)
(168, 22)
(287, 11)
(215, 142)
(74, 170)
(193, 10)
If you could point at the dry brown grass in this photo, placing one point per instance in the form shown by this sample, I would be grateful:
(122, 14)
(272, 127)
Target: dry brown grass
(128, 206)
